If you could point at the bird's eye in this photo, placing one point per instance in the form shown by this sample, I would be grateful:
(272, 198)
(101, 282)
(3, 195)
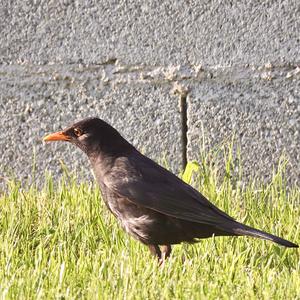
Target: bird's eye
(77, 132)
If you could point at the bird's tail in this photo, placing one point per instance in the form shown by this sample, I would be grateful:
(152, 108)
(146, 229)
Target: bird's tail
(241, 229)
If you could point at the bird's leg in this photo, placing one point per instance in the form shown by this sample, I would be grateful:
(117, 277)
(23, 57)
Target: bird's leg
(154, 249)
(165, 253)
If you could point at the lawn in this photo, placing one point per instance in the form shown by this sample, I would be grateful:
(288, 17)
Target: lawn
(60, 242)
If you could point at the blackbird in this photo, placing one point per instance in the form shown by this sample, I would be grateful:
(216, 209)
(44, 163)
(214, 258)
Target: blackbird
(152, 204)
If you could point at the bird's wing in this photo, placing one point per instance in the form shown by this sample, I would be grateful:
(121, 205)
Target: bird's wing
(147, 184)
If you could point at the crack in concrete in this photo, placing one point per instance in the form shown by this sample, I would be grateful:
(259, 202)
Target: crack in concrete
(183, 92)
(113, 73)
(184, 130)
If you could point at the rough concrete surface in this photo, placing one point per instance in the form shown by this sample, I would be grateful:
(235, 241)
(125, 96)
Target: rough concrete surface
(150, 32)
(234, 65)
(37, 103)
(263, 116)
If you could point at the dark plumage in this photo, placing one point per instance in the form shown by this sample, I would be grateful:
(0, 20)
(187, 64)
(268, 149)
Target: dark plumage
(152, 204)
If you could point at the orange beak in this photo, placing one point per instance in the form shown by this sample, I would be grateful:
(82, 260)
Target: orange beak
(57, 136)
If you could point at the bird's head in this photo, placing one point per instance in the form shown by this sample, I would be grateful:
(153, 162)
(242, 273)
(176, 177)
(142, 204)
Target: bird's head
(91, 135)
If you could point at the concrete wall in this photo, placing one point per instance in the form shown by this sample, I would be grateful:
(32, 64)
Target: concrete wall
(235, 67)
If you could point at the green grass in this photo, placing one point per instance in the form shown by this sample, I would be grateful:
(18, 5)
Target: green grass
(60, 242)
